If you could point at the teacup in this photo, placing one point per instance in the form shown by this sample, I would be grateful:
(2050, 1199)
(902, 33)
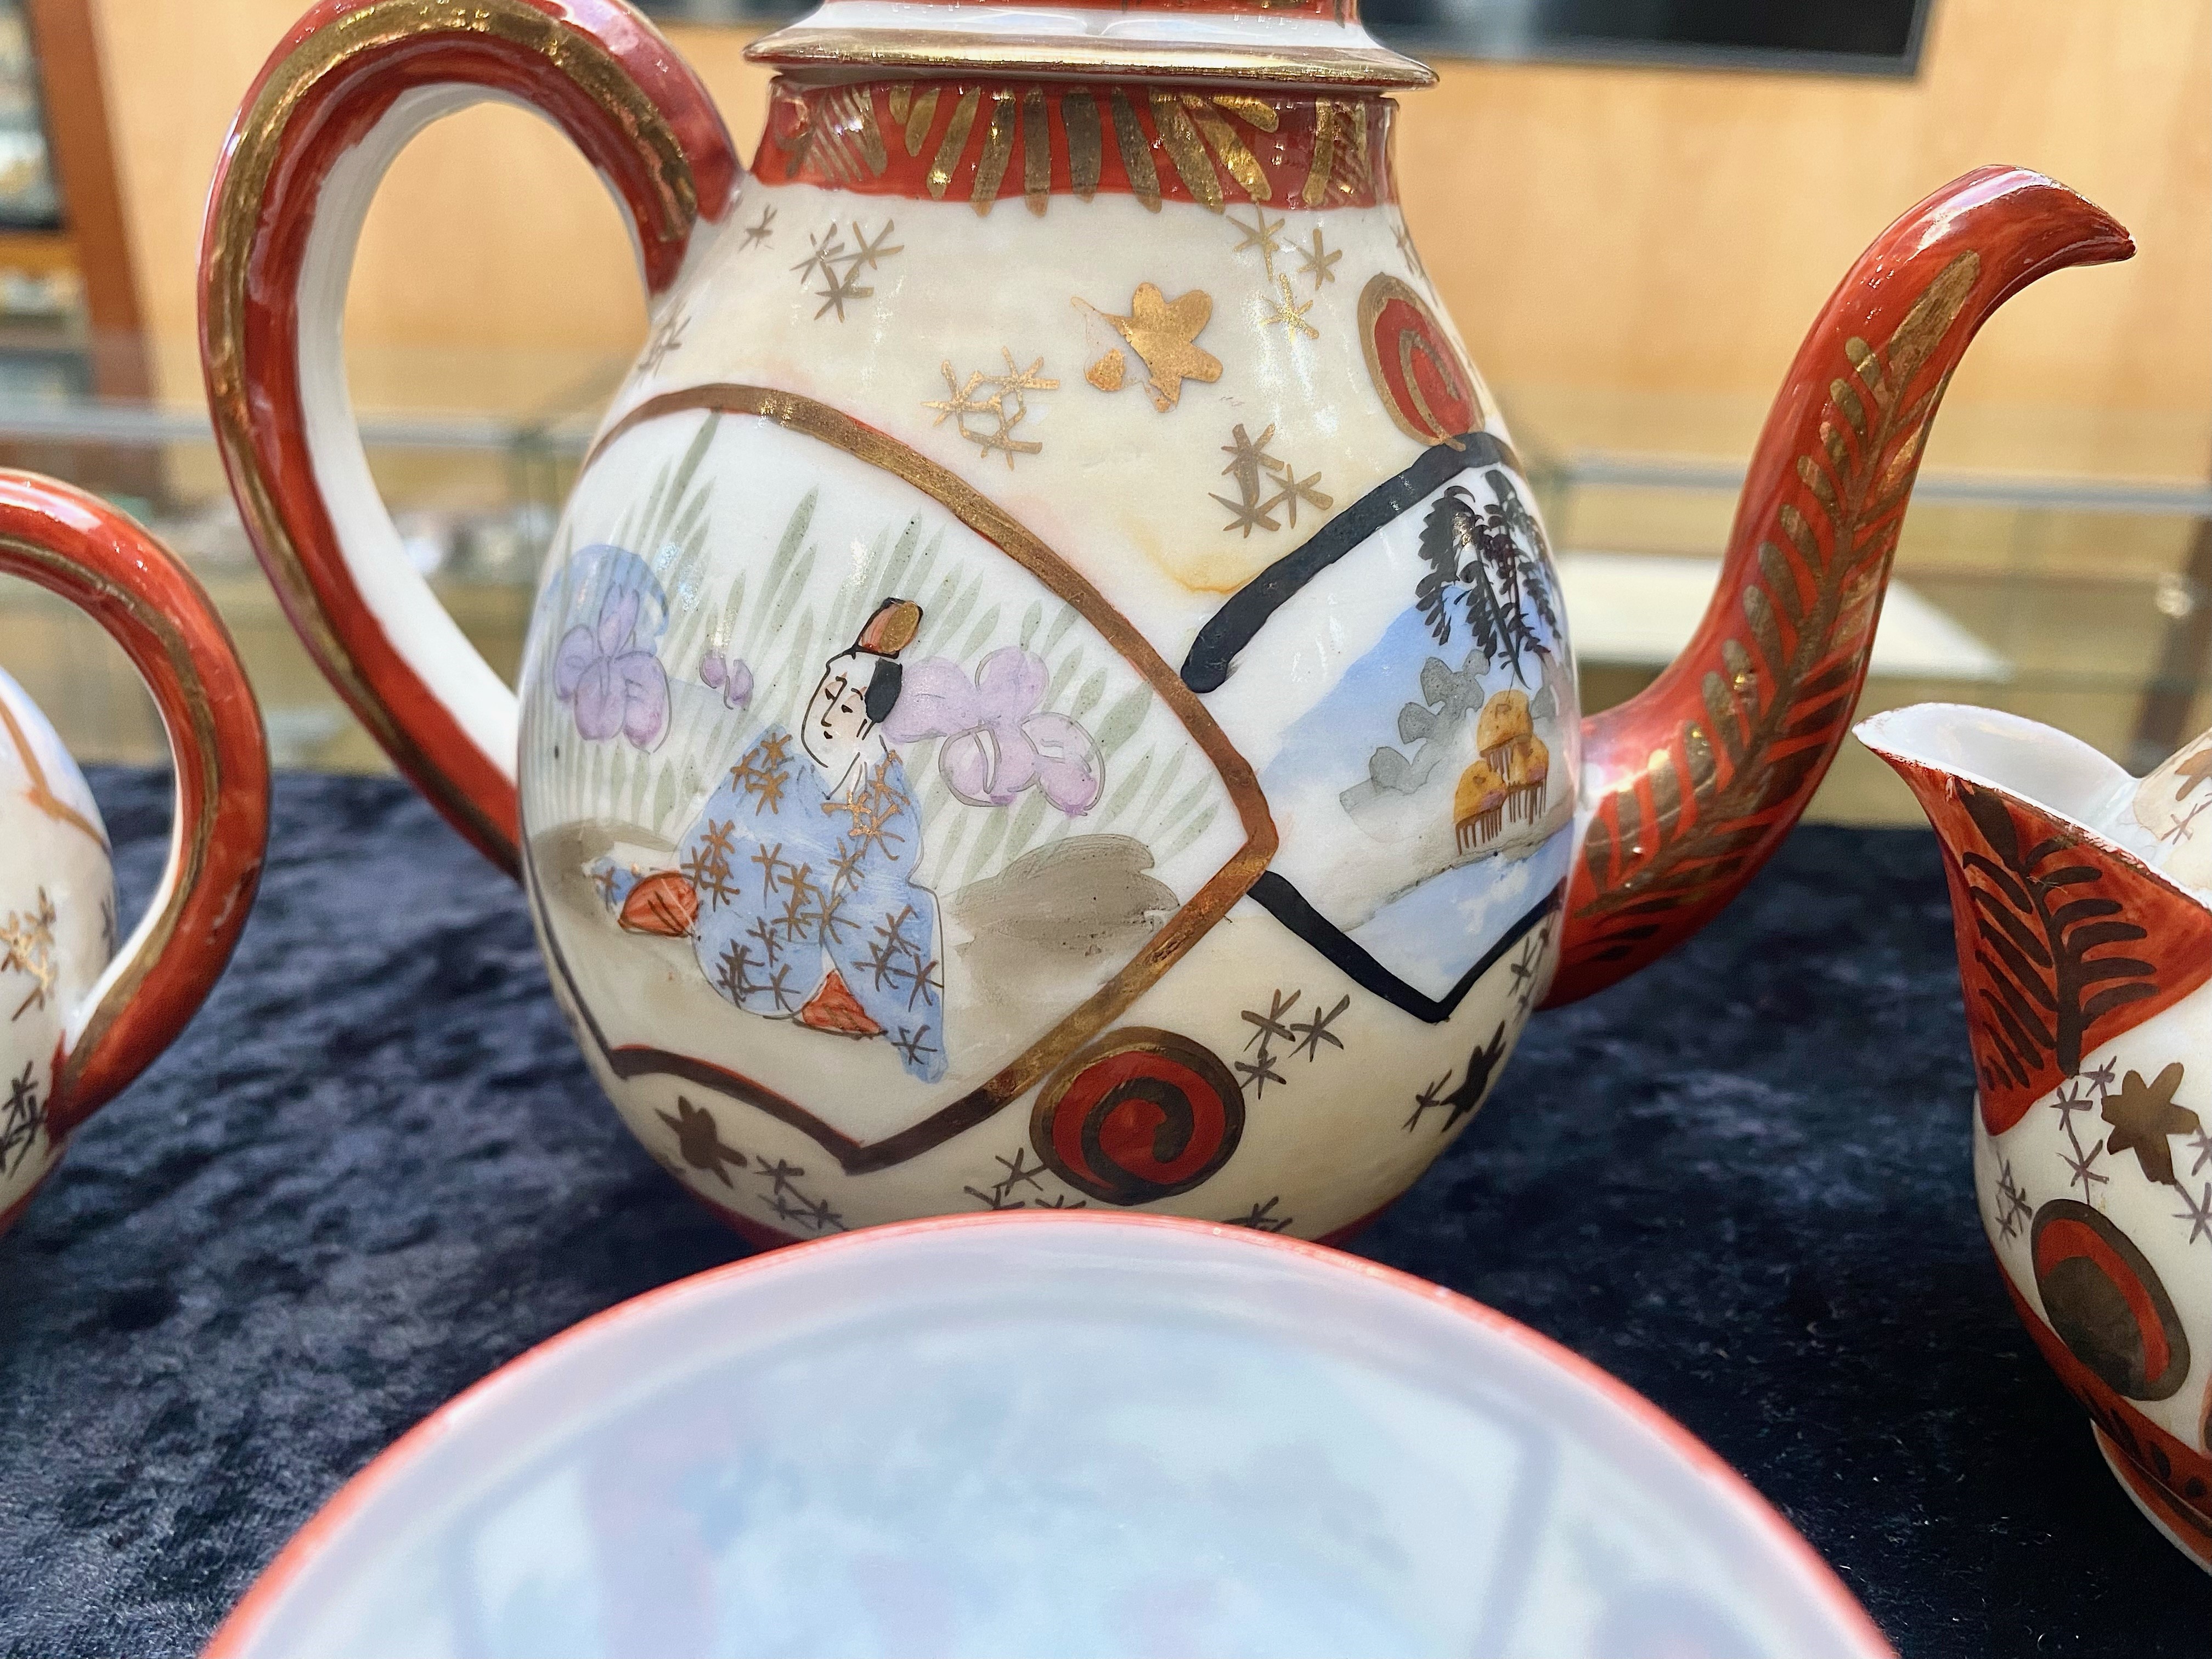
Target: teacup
(1065, 1432)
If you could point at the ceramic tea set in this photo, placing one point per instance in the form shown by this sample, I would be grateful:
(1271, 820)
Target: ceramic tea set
(1052, 663)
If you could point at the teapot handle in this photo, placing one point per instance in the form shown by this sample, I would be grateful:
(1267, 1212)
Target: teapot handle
(339, 98)
(90, 555)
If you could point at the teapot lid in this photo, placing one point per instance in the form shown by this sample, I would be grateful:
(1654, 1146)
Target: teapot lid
(1309, 42)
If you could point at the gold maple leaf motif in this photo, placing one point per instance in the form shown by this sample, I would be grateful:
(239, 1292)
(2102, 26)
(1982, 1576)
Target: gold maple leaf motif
(2143, 1115)
(1164, 333)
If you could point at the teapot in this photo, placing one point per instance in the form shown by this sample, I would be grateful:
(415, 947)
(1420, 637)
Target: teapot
(82, 1015)
(1050, 687)
(2081, 898)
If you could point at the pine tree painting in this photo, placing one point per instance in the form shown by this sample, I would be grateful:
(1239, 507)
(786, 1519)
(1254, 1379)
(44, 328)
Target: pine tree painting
(1492, 561)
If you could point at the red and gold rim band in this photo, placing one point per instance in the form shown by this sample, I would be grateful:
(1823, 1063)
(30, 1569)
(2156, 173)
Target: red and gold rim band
(981, 140)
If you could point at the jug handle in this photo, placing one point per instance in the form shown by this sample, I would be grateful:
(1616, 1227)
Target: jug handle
(90, 555)
(338, 99)
(1689, 785)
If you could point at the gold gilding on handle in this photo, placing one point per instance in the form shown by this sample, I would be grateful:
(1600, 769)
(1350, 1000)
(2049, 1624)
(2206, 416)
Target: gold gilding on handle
(193, 840)
(329, 52)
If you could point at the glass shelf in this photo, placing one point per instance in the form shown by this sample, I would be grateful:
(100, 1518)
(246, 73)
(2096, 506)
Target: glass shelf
(2078, 600)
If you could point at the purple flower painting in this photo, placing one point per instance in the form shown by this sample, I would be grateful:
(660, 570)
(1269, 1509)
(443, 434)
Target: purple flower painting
(604, 669)
(996, 744)
(729, 676)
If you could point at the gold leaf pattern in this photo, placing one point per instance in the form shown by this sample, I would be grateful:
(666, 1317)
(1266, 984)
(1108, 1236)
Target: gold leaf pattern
(1079, 118)
(1777, 726)
(917, 120)
(1036, 152)
(1136, 153)
(1315, 190)
(955, 140)
(998, 150)
(1243, 166)
(1181, 140)
(1253, 112)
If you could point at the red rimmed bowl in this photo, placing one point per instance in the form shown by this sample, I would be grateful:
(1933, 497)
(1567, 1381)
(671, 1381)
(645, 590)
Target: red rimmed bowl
(1036, 1434)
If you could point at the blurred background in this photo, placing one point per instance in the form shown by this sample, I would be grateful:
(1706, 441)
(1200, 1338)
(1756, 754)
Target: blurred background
(1633, 207)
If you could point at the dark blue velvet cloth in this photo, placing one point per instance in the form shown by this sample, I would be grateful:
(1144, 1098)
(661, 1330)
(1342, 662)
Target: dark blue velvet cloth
(374, 1168)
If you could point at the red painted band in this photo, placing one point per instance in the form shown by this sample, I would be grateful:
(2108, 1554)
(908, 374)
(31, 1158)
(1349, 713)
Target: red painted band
(1246, 149)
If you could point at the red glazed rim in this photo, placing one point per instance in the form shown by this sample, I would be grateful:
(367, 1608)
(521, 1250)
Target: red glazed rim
(1837, 1603)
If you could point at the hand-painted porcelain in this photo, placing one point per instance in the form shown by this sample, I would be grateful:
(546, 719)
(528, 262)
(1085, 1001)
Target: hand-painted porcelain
(2083, 903)
(80, 1015)
(1092, 1434)
(1050, 688)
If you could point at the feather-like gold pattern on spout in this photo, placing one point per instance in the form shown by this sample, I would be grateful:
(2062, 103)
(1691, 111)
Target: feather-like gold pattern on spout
(1691, 784)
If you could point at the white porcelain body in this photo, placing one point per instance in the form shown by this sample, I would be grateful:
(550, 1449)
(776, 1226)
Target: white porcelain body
(756, 538)
(1027, 1435)
(57, 928)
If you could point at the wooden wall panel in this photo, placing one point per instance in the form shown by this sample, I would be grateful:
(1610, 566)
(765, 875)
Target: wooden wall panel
(1634, 252)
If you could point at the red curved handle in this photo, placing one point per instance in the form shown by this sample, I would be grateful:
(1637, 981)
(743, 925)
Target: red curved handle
(343, 93)
(1689, 785)
(108, 567)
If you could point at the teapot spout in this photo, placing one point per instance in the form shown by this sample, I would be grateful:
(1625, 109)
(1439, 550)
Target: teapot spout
(1687, 788)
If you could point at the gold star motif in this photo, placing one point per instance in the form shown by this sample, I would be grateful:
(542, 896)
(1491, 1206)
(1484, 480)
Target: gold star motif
(1289, 313)
(760, 232)
(1246, 455)
(873, 249)
(1164, 333)
(1249, 514)
(1292, 488)
(1318, 265)
(827, 247)
(668, 338)
(2143, 1115)
(1261, 234)
(1404, 237)
(1006, 407)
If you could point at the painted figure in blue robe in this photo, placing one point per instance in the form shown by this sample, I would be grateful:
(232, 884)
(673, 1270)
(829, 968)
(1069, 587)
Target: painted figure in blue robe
(795, 884)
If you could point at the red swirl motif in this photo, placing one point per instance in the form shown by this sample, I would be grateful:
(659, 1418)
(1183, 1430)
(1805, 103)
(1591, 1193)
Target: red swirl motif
(1138, 1116)
(1418, 371)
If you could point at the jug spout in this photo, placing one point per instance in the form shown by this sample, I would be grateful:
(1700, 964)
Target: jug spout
(2069, 932)
(1688, 787)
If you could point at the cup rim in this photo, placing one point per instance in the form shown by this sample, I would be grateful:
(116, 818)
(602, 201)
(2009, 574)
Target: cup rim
(270, 1587)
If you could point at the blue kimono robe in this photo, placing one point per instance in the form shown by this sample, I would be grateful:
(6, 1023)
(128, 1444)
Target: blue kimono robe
(794, 882)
